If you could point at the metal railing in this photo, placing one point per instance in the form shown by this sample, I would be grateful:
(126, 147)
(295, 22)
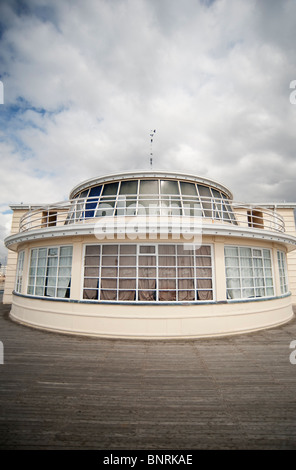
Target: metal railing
(212, 210)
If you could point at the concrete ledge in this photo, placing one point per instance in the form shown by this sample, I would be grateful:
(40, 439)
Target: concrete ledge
(151, 321)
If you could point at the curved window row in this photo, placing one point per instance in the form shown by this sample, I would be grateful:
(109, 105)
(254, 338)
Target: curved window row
(153, 196)
(150, 273)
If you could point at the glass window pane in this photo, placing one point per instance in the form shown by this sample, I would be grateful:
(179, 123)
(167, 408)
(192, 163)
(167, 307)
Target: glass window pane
(149, 187)
(109, 260)
(65, 261)
(203, 261)
(234, 293)
(52, 271)
(42, 253)
(52, 262)
(95, 191)
(91, 283)
(166, 272)
(127, 272)
(91, 272)
(247, 252)
(110, 189)
(231, 251)
(248, 293)
(166, 249)
(187, 284)
(186, 272)
(147, 261)
(92, 250)
(203, 251)
(129, 187)
(110, 249)
(92, 261)
(109, 272)
(39, 291)
(147, 249)
(188, 189)
(127, 260)
(147, 272)
(65, 272)
(128, 249)
(40, 281)
(204, 191)
(66, 251)
(51, 281)
(169, 187)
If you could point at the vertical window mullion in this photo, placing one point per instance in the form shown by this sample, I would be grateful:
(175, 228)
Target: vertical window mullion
(100, 273)
(117, 277)
(195, 273)
(137, 270)
(58, 270)
(157, 274)
(200, 200)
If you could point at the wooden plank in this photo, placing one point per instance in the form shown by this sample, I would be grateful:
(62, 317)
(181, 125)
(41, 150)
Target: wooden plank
(68, 392)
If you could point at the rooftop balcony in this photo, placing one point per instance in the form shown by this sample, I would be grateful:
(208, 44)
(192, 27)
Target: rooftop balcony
(170, 208)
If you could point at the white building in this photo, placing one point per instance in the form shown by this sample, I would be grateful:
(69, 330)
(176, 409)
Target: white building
(152, 255)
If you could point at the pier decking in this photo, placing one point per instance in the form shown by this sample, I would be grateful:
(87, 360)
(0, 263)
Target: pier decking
(68, 392)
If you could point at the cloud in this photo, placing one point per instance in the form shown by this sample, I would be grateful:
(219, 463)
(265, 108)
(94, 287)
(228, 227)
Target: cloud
(84, 82)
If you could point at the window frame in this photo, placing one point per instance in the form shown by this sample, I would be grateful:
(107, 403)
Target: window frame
(19, 272)
(241, 278)
(218, 208)
(31, 288)
(157, 278)
(283, 271)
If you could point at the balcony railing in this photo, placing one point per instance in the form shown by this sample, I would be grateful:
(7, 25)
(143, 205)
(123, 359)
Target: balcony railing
(211, 210)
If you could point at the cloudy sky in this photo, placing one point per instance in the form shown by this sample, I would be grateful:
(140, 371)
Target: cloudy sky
(85, 81)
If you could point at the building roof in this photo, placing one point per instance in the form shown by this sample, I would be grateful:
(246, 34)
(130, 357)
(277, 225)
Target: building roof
(148, 174)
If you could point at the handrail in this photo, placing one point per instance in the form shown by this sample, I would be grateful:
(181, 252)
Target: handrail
(87, 210)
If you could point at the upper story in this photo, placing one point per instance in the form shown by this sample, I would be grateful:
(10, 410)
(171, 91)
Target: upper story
(153, 201)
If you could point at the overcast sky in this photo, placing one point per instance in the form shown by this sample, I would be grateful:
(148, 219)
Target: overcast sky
(85, 81)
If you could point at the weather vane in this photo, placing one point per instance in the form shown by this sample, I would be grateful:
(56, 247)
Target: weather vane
(152, 132)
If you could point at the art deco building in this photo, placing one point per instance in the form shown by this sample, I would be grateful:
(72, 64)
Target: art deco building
(152, 255)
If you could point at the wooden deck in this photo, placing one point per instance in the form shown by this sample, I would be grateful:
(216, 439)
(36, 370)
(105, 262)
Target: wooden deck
(68, 392)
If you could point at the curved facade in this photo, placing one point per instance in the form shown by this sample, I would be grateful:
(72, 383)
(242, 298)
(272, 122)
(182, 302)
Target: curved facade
(151, 255)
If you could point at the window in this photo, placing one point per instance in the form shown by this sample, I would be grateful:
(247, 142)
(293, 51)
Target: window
(50, 272)
(19, 272)
(282, 264)
(147, 273)
(49, 218)
(248, 272)
(255, 219)
(153, 197)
